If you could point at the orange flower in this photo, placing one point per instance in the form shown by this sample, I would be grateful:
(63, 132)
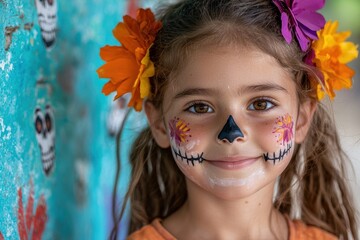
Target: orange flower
(332, 54)
(129, 66)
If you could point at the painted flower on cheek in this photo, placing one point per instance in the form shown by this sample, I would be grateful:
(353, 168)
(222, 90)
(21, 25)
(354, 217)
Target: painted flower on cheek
(179, 131)
(300, 17)
(284, 129)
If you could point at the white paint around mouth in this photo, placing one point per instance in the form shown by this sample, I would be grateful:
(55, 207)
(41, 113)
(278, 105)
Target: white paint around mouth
(234, 182)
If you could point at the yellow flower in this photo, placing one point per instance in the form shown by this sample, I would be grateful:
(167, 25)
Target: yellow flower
(332, 54)
(129, 66)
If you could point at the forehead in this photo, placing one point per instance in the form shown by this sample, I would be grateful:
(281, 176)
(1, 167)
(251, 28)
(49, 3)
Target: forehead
(230, 68)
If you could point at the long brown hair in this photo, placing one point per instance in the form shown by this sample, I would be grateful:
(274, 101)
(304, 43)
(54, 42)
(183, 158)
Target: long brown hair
(315, 175)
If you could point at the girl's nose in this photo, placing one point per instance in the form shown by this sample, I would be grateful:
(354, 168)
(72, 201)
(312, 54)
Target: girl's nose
(230, 131)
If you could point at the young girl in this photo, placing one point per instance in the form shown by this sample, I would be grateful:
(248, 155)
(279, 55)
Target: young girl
(239, 145)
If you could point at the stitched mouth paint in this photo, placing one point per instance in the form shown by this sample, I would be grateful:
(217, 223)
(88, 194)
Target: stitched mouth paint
(189, 159)
(278, 156)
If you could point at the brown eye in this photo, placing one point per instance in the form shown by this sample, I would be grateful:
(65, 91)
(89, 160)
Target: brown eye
(200, 108)
(261, 105)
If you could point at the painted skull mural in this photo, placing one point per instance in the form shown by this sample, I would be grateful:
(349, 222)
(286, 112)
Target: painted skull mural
(45, 136)
(47, 16)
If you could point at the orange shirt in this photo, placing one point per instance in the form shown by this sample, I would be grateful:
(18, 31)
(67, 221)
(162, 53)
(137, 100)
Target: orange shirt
(297, 231)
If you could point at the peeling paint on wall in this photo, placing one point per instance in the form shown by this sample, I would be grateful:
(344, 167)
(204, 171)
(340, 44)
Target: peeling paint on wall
(8, 36)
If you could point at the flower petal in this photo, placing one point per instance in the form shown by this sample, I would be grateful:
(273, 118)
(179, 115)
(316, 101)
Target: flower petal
(311, 34)
(108, 88)
(285, 28)
(119, 68)
(125, 36)
(109, 53)
(124, 87)
(302, 39)
(312, 20)
(349, 52)
(307, 5)
(312, 5)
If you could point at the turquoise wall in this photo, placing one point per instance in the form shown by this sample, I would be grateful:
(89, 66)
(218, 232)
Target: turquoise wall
(57, 144)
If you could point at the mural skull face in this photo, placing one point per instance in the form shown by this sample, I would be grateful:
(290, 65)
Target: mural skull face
(45, 135)
(47, 16)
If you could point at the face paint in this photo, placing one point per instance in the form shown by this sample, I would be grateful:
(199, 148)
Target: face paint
(284, 134)
(179, 134)
(235, 182)
(284, 129)
(189, 159)
(204, 104)
(278, 156)
(179, 131)
(230, 131)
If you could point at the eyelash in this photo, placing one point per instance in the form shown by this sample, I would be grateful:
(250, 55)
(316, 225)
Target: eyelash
(194, 104)
(265, 99)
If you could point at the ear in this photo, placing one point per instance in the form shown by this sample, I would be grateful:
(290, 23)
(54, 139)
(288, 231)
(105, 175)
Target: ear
(305, 116)
(157, 125)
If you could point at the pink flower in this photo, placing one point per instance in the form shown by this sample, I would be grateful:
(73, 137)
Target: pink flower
(300, 17)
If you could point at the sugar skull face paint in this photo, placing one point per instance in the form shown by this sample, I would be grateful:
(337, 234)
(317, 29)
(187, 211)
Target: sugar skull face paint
(216, 92)
(284, 133)
(180, 135)
(278, 156)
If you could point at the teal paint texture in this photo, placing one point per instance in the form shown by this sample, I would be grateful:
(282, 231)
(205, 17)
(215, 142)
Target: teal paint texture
(53, 119)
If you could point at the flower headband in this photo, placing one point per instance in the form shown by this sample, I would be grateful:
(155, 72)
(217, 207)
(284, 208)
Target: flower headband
(129, 66)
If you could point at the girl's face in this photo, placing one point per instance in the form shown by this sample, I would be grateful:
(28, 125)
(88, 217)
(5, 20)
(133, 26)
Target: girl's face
(230, 118)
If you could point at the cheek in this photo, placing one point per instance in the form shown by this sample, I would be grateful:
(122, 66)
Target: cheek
(262, 132)
(186, 135)
(198, 139)
(276, 133)
(279, 146)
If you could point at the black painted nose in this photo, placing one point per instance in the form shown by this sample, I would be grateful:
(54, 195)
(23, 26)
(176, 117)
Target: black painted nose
(230, 131)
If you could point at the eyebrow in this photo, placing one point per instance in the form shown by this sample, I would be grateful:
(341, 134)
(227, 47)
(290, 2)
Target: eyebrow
(250, 88)
(195, 91)
(263, 87)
